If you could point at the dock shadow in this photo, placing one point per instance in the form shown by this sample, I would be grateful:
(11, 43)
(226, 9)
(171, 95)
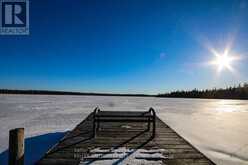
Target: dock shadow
(35, 147)
(139, 146)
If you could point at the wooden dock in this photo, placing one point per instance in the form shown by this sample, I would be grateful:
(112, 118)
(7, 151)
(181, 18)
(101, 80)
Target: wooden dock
(80, 146)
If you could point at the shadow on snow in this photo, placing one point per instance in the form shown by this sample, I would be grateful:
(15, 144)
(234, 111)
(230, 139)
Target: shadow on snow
(35, 147)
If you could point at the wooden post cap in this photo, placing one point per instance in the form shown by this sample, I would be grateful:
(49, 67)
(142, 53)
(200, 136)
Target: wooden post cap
(16, 146)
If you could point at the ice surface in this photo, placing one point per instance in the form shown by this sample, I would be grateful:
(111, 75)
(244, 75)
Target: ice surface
(218, 128)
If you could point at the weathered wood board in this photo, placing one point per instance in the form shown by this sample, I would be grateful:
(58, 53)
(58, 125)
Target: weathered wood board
(79, 142)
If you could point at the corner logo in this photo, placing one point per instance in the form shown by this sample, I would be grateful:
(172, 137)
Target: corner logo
(14, 18)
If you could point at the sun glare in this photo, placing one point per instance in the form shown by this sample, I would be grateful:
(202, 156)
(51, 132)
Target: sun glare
(223, 61)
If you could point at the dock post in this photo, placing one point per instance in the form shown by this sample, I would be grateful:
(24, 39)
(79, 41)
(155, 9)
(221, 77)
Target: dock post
(151, 110)
(149, 124)
(16, 146)
(154, 125)
(94, 122)
(94, 126)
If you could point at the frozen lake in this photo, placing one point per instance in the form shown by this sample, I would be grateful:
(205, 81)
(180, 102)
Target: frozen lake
(218, 128)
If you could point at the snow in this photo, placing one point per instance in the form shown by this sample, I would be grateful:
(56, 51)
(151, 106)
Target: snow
(124, 156)
(134, 161)
(218, 128)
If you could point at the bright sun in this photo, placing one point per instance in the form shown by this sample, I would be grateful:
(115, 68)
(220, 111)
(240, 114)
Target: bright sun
(223, 61)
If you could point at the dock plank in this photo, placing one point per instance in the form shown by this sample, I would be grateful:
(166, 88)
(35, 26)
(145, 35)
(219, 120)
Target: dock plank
(79, 142)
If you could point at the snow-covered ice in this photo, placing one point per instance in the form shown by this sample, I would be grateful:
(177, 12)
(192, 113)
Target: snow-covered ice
(218, 128)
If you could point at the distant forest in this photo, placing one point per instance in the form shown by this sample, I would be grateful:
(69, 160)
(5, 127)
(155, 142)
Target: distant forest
(238, 92)
(47, 92)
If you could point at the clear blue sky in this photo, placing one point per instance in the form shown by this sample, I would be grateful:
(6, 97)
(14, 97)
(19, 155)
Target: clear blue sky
(125, 46)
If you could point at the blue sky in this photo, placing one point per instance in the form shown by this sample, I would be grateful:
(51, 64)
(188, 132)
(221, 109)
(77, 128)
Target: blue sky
(125, 46)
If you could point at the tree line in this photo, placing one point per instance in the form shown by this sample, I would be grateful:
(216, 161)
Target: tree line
(236, 92)
(48, 92)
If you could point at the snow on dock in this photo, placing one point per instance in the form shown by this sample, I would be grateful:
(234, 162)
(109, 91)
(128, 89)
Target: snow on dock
(127, 141)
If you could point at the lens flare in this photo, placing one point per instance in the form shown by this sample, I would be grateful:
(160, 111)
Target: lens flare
(223, 61)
